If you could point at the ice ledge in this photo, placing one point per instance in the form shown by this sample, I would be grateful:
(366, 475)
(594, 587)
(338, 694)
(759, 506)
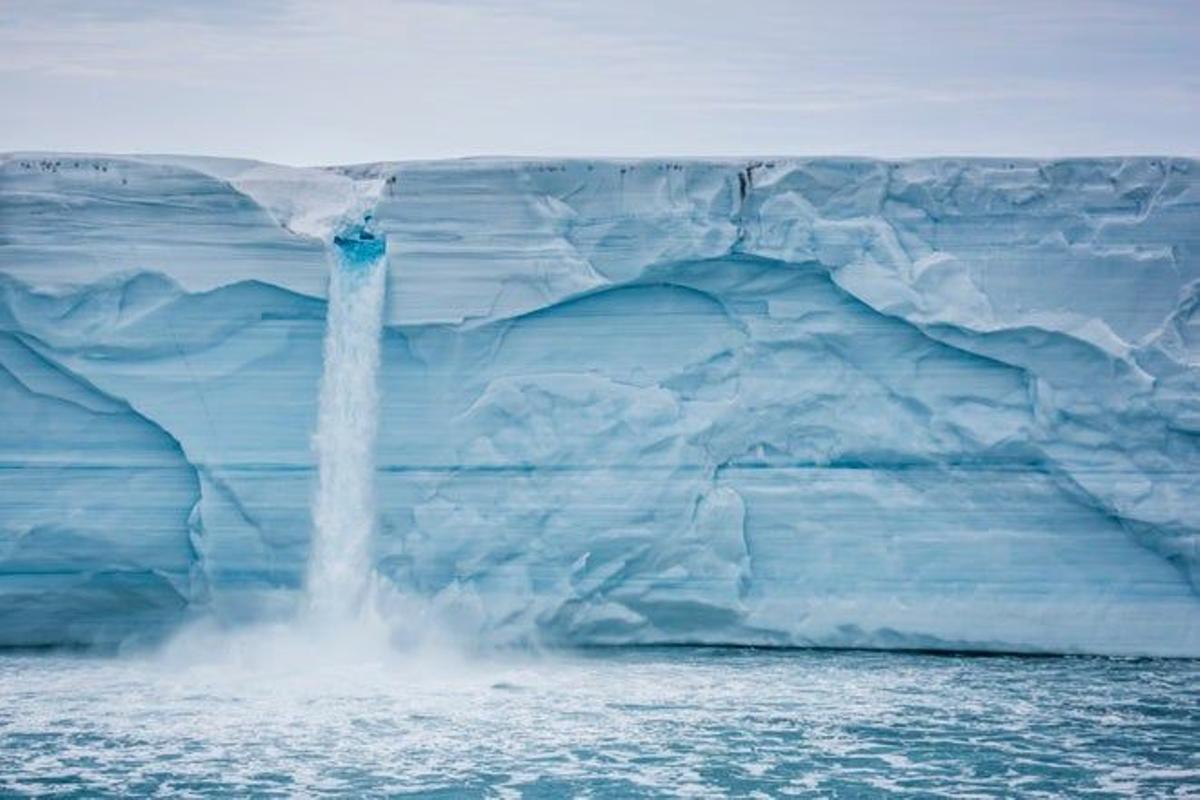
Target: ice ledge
(309, 202)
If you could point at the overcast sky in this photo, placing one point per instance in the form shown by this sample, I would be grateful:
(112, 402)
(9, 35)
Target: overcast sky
(309, 82)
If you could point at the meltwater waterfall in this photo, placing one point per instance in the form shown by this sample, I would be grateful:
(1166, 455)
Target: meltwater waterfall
(347, 419)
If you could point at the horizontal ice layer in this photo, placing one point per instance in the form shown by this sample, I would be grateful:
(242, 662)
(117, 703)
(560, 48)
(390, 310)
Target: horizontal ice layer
(943, 403)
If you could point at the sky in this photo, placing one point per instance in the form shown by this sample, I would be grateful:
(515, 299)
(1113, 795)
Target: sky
(307, 82)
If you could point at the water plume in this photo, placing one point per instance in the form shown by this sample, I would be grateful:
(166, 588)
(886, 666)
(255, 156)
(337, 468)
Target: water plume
(339, 570)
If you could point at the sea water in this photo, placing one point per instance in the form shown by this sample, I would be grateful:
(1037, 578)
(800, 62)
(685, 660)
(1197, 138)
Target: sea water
(605, 723)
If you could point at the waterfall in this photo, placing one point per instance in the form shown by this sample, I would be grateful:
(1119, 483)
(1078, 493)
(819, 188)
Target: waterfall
(339, 573)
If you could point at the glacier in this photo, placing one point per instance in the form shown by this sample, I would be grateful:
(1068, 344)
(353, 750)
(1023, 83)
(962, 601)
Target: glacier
(948, 404)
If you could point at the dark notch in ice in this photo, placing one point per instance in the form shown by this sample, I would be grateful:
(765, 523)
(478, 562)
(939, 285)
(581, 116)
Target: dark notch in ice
(359, 245)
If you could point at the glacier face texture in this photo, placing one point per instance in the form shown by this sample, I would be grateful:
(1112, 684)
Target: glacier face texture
(835, 402)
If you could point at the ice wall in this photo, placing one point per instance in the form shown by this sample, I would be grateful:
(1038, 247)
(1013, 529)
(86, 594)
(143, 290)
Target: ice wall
(942, 403)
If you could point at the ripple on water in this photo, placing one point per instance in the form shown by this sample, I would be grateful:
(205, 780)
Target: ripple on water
(619, 724)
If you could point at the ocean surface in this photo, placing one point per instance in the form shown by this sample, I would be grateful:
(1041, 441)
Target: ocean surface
(258, 720)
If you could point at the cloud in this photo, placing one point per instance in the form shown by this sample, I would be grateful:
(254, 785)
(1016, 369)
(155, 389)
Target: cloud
(303, 80)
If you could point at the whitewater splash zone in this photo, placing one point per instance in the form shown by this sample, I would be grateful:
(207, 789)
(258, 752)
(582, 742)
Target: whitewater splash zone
(627, 723)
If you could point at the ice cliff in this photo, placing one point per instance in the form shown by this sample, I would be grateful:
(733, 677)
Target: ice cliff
(946, 403)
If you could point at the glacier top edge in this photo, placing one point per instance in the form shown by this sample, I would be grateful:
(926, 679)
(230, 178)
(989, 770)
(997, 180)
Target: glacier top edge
(231, 166)
(310, 202)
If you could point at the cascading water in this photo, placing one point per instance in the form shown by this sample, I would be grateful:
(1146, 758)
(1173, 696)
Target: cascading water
(339, 573)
